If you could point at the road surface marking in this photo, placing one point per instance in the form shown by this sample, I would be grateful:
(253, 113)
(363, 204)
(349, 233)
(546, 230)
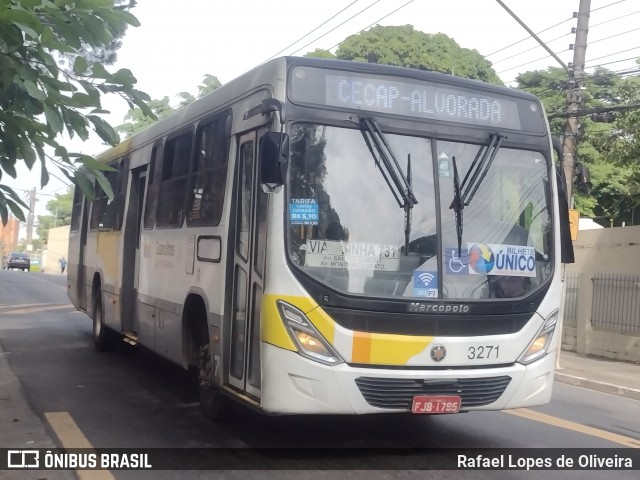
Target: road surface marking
(22, 309)
(72, 437)
(576, 427)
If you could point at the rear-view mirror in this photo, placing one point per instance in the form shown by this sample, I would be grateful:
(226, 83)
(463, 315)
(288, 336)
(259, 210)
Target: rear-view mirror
(274, 155)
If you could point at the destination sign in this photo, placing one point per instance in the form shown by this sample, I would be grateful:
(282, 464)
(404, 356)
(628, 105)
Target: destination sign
(413, 98)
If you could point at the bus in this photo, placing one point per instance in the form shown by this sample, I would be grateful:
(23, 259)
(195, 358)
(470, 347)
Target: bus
(330, 237)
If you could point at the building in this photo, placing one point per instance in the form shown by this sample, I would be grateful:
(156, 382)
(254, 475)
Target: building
(9, 236)
(57, 247)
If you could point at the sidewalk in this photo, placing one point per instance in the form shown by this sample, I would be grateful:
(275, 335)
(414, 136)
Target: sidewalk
(20, 427)
(609, 376)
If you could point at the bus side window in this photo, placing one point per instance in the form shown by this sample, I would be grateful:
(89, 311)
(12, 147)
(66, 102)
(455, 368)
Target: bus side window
(120, 194)
(103, 209)
(174, 181)
(208, 177)
(76, 209)
(153, 187)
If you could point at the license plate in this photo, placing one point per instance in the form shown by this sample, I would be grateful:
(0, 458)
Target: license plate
(436, 404)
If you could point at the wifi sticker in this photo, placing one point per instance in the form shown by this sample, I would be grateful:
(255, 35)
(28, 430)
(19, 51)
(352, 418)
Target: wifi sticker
(425, 284)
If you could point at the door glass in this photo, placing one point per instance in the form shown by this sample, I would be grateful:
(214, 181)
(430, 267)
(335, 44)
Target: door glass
(254, 361)
(239, 321)
(244, 203)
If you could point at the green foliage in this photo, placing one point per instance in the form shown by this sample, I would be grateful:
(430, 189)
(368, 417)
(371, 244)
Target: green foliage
(406, 47)
(208, 85)
(137, 120)
(610, 150)
(50, 85)
(320, 53)
(60, 214)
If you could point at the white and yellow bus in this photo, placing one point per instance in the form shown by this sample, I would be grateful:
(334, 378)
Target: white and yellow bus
(320, 236)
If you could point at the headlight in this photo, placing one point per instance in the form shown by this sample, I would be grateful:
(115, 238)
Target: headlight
(540, 345)
(309, 341)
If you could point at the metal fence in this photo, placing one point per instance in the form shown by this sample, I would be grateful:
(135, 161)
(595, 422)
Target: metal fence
(616, 303)
(571, 300)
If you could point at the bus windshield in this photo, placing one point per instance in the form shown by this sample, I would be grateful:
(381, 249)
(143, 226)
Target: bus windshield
(346, 230)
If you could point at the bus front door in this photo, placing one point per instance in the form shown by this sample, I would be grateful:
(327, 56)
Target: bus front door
(131, 250)
(248, 269)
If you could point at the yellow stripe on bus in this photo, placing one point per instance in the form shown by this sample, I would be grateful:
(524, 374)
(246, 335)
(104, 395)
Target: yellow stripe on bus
(387, 349)
(367, 348)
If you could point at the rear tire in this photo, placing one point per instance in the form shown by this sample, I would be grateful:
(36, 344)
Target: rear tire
(104, 339)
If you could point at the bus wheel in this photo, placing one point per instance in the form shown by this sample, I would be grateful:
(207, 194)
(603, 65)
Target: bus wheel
(103, 338)
(212, 401)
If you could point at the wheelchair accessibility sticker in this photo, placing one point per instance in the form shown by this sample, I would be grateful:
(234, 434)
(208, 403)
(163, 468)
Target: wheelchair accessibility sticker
(425, 284)
(455, 264)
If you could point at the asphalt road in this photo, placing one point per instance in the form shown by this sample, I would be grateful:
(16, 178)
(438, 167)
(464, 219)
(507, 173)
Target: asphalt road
(130, 398)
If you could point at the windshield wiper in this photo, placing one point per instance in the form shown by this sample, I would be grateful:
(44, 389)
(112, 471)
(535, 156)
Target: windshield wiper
(457, 205)
(399, 184)
(463, 194)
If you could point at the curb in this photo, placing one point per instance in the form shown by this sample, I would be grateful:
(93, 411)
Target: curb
(598, 386)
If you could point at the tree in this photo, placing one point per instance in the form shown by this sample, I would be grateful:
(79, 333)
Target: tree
(208, 85)
(137, 120)
(52, 82)
(60, 214)
(107, 55)
(406, 47)
(610, 150)
(320, 53)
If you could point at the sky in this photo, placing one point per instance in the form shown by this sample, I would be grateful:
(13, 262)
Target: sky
(179, 42)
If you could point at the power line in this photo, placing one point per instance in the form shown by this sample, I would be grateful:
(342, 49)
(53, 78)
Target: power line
(612, 54)
(616, 61)
(527, 63)
(567, 34)
(616, 35)
(607, 6)
(309, 33)
(377, 21)
(336, 27)
(613, 19)
(527, 38)
(529, 49)
(617, 73)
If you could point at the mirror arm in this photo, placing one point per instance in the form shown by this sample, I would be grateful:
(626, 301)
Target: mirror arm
(267, 106)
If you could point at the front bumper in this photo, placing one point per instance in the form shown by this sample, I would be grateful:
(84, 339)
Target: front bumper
(293, 384)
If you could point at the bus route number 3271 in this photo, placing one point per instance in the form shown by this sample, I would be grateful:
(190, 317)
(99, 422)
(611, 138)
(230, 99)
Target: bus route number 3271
(436, 404)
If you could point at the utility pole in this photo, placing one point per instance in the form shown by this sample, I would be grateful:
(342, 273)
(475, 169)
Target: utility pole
(574, 96)
(32, 208)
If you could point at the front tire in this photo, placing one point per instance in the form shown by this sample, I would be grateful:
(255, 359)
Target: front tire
(104, 339)
(213, 404)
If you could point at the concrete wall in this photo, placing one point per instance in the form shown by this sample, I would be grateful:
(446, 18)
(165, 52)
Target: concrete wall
(57, 246)
(608, 251)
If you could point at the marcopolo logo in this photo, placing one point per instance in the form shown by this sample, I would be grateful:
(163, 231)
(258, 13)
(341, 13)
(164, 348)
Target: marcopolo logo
(481, 258)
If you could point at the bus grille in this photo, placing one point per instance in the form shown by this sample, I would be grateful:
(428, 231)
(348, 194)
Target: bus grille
(399, 393)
